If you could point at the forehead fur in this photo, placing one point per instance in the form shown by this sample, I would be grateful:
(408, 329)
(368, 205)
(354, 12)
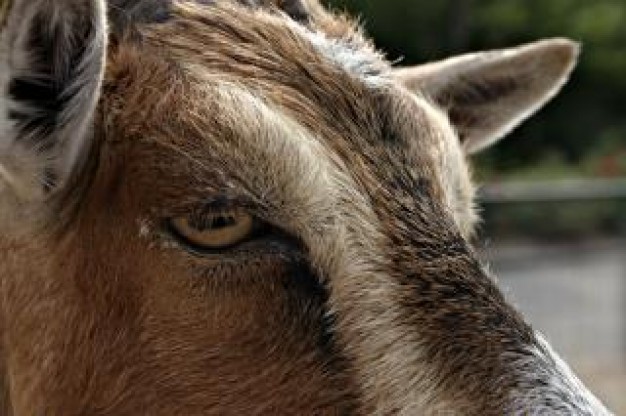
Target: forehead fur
(357, 113)
(225, 35)
(263, 53)
(324, 77)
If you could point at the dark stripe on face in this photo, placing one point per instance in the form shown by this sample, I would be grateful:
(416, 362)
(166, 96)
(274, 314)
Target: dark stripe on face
(461, 316)
(311, 301)
(313, 295)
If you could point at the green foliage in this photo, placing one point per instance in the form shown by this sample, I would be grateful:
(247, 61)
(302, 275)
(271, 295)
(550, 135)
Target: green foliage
(586, 118)
(559, 220)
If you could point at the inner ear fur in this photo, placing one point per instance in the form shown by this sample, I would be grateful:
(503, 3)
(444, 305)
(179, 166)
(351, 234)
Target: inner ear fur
(487, 94)
(52, 58)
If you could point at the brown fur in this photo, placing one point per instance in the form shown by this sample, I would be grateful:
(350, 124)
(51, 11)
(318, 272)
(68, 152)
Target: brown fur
(369, 301)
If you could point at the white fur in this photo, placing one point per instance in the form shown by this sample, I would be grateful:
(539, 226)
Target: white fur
(355, 59)
(558, 383)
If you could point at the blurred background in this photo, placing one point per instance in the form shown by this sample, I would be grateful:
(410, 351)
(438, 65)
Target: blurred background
(553, 193)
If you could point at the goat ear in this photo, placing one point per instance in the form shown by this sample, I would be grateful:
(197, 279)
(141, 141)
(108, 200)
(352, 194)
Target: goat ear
(487, 94)
(52, 57)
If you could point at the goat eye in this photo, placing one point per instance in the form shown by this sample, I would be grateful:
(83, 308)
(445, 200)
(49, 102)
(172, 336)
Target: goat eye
(213, 231)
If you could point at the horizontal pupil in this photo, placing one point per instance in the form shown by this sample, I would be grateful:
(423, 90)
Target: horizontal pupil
(211, 222)
(223, 222)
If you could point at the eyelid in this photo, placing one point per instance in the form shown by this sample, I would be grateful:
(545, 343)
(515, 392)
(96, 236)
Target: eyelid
(217, 205)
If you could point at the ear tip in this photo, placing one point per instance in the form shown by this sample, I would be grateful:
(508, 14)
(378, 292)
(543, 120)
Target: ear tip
(563, 52)
(565, 46)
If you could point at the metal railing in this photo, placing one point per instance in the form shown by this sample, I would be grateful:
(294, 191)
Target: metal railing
(552, 191)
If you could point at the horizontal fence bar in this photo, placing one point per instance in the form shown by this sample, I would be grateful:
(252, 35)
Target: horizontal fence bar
(552, 191)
